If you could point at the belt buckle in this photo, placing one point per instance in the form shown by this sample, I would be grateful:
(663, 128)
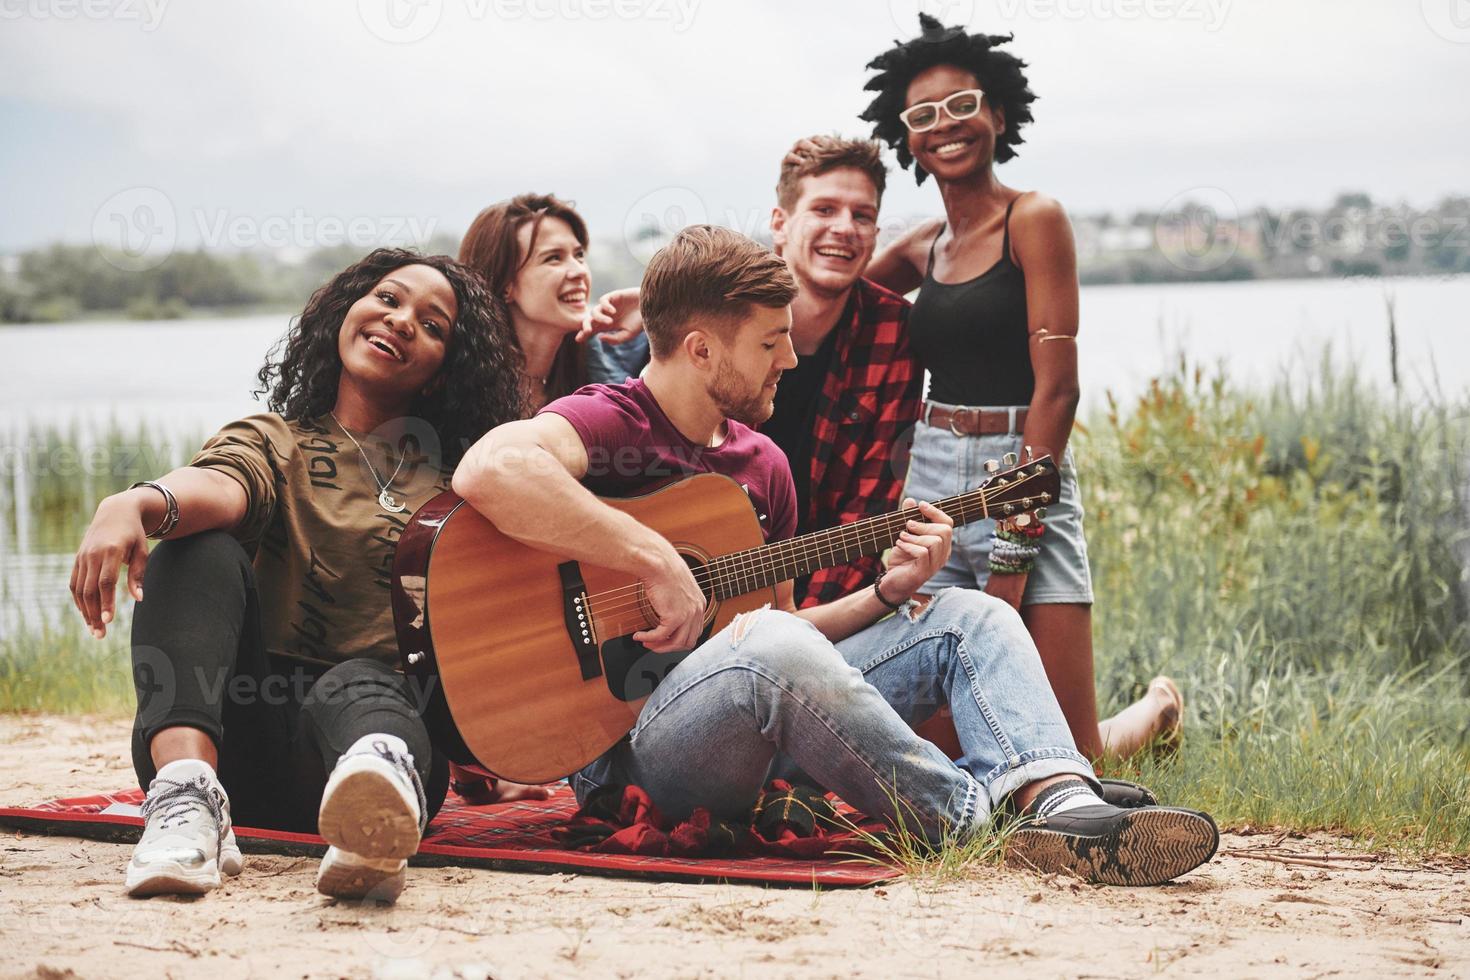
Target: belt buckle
(954, 415)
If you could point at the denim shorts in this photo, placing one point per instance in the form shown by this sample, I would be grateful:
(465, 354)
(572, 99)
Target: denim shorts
(944, 464)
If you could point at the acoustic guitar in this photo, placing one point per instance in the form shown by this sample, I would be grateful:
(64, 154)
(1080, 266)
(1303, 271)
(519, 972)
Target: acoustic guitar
(525, 660)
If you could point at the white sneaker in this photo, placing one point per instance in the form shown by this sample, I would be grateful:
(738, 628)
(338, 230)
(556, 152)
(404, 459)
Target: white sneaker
(372, 814)
(347, 875)
(187, 837)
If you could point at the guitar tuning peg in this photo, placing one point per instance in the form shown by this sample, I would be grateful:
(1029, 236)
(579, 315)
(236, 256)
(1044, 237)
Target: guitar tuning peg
(1010, 459)
(992, 466)
(1028, 453)
(1041, 511)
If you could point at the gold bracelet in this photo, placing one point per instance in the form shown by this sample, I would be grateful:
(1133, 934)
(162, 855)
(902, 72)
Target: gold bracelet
(1044, 336)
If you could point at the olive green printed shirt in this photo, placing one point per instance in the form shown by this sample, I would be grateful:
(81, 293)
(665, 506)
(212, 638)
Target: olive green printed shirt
(322, 543)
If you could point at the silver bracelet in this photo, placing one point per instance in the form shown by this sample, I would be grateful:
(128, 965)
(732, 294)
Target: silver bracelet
(171, 515)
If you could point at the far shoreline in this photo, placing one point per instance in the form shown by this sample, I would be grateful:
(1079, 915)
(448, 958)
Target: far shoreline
(120, 318)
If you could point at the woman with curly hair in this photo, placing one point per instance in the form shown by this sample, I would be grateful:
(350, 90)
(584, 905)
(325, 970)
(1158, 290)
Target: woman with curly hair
(995, 324)
(532, 250)
(262, 656)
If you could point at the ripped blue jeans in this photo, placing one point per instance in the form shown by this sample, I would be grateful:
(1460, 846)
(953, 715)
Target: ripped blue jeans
(770, 696)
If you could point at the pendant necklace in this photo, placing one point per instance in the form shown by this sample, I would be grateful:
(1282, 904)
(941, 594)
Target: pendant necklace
(385, 499)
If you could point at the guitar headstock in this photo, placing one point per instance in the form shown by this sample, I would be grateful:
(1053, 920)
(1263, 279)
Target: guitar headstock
(1025, 487)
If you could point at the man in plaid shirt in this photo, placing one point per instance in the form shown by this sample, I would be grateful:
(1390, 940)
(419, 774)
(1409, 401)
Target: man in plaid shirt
(845, 415)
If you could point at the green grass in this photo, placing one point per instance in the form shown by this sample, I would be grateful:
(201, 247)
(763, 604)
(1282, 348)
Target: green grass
(58, 668)
(1293, 559)
(1292, 556)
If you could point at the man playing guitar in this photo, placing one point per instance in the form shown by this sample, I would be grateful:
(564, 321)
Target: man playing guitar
(834, 689)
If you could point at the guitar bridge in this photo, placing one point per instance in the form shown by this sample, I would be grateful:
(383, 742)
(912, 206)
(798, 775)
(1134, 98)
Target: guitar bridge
(579, 619)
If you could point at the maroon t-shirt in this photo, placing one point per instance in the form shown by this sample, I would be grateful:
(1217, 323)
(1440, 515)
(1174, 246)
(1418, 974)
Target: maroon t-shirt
(632, 446)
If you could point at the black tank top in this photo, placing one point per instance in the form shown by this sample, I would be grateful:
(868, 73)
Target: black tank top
(971, 336)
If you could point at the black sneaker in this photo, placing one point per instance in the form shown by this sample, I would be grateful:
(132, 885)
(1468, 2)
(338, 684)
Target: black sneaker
(1110, 845)
(1129, 796)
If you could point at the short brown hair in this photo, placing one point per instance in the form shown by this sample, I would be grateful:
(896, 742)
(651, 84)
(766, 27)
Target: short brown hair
(708, 276)
(817, 155)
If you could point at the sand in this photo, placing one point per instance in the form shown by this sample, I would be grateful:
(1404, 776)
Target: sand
(63, 912)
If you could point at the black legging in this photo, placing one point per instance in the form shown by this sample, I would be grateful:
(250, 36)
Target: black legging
(199, 661)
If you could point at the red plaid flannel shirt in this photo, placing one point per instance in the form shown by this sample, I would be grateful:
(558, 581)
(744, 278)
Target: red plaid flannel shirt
(865, 417)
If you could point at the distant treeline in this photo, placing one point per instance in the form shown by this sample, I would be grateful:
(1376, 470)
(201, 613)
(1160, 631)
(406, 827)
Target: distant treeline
(66, 282)
(1199, 241)
(69, 282)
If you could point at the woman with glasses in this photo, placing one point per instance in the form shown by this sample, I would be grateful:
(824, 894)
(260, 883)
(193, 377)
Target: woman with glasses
(995, 325)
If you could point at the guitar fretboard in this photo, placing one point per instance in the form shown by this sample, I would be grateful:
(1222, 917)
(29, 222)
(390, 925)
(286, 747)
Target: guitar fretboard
(742, 572)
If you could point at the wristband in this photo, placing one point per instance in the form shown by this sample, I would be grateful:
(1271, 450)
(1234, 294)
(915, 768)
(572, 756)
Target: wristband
(895, 606)
(171, 514)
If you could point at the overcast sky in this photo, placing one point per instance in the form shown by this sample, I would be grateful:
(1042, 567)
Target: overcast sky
(284, 117)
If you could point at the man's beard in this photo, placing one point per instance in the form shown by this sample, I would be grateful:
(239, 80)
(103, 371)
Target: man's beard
(731, 394)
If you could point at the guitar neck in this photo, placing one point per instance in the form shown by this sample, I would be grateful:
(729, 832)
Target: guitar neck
(761, 568)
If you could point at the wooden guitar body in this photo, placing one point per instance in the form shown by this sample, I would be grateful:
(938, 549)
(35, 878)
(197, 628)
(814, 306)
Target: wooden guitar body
(484, 628)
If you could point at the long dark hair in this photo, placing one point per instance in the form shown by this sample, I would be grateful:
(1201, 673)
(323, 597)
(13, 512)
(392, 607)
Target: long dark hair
(479, 383)
(490, 248)
(1001, 74)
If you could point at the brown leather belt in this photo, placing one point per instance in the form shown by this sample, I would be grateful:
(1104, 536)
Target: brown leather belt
(974, 421)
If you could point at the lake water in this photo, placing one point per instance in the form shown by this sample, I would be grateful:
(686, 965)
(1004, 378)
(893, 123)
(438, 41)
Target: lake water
(186, 378)
(194, 375)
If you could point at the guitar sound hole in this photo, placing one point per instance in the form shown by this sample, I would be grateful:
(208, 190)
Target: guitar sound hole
(696, 565)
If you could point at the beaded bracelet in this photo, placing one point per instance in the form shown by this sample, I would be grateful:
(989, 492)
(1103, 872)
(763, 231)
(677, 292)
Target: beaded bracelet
(1016, 544)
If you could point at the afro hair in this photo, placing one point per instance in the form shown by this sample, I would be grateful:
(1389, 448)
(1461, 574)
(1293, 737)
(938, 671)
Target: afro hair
(1000, 74)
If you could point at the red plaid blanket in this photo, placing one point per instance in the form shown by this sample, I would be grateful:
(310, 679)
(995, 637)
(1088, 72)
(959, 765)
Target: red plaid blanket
(619, 834)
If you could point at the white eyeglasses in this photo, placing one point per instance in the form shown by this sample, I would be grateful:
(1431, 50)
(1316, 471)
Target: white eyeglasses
(924, 116)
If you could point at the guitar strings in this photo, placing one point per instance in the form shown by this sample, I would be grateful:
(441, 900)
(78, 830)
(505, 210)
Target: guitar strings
(746, 570)
(745, 567)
